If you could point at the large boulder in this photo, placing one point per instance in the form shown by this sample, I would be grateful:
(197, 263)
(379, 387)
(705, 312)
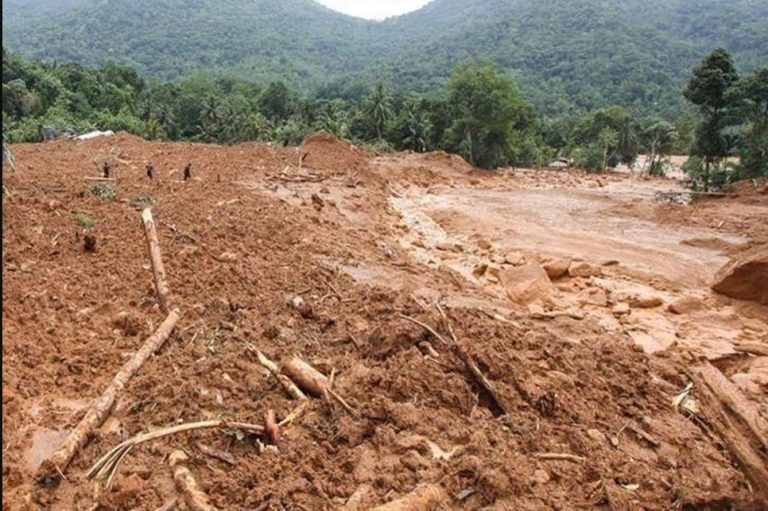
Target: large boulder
(527, 284)
(557, 268)
(745, 277)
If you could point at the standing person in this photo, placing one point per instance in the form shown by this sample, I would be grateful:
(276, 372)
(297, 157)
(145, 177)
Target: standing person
(188, 172)
(150, 171)
(105, 170)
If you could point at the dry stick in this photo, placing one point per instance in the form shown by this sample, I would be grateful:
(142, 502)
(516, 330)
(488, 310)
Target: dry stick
(465, 357)
(193, 496)
(272, 429)
(556, 456)
(286, 382)
(109, 463)
(161, 284)
(51, 471)
(424, 497)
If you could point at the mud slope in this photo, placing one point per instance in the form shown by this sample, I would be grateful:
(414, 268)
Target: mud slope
(364, 241)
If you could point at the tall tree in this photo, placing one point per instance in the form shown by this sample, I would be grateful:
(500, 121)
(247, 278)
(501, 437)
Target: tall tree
(709, 90)
(490, 119)
(751, 93)
(377, 106)
(659, 137)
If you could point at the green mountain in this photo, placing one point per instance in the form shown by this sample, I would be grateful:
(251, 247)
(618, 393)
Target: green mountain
(567, 55)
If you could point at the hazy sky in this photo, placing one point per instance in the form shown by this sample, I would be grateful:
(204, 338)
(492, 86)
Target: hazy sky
(374, 9)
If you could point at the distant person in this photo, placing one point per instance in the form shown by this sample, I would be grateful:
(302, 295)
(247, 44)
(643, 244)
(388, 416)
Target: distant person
(188, 172)
(105, 170)
(150, 171)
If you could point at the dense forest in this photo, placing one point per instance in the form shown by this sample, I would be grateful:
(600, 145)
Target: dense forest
(480, 113)
(568, 57)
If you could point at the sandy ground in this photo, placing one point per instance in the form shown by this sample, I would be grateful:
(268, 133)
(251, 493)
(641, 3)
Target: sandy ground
(364, 240)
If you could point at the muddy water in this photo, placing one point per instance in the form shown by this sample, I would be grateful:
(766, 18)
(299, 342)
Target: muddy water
(667, 261)
(564, 223)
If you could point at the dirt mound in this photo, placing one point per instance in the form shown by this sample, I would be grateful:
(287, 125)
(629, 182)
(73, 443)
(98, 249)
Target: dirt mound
(264, 251)
(746, 276)
(749, 188)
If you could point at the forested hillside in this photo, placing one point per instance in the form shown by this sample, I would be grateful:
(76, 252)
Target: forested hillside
(568, 56)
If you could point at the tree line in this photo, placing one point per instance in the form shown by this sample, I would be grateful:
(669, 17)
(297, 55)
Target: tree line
(479, 114)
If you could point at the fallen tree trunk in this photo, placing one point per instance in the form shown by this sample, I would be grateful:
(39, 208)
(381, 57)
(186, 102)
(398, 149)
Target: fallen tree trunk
(52, 469)
(158, 270)
(736, 421)
(194, 497)
(753, 348)
(423, 498)
(306, 376)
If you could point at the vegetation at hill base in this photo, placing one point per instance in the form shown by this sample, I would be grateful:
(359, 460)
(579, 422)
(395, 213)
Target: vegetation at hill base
(480, 114)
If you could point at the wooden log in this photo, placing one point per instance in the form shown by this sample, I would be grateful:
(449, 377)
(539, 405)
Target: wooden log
(424, 498)
(753, 348)
(305, 376)
(52, 469)
(736, 421)
(286, 382)
(158, 270)
(194, 497)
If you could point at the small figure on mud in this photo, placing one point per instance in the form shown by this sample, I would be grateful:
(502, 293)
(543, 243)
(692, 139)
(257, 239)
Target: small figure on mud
(150, 171)
(105, 170)
(188, 172)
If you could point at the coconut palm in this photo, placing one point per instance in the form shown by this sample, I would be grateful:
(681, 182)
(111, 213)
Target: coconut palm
(377, 106)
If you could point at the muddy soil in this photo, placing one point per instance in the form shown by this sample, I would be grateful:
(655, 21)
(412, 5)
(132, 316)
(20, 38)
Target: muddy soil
(364, 241)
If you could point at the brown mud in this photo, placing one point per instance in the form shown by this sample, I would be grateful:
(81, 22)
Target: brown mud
(365, 240)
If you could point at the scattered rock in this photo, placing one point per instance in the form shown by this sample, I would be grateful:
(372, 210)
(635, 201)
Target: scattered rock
(317, 202)
(593, 296)
(621, 309)
(745, 277)
(89, 243)
(449, 247)
(646, 302)
(480, 270)
(418, 243)
(584, 269)
(528, 283)
(686, 305)
(228, 257)
(514, 258)
(484, 244)
(540, 477)
(557, 268)
(597, 436)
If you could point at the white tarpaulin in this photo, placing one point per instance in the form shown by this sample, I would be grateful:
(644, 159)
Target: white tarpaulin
(94, 134)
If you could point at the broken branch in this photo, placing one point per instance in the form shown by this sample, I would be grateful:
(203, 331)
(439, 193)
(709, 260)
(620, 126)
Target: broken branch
(108, 464)
(158, 270)
(51, 471)
(305, 376)
(556, 456)
(286, 382)
(736, 421)
(193, 496)
(272, 429)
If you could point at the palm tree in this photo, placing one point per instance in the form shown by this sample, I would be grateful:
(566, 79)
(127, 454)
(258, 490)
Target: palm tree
(418, 128)
(377, 106)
